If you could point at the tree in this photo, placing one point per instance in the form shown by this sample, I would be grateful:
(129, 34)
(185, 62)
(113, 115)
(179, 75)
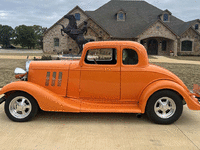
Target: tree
(29, 36)
(0, 34)
(39, 32)
(25, 36)
(6, 33)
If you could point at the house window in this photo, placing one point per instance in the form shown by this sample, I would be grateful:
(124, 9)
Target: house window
(165, 17)
(56, 42)
(121, 16)
(164, 45)
(77, 16)
(186, 46)
(196, 26)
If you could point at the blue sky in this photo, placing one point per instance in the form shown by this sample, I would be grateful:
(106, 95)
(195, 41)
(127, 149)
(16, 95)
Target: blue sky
(47, 12)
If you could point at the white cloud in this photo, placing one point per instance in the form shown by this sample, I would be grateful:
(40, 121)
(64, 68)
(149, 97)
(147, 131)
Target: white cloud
(47, 12)
(52, 16)
(3, 14)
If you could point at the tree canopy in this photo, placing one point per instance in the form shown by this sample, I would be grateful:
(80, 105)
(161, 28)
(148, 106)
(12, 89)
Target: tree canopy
(6, 33)
(25, 36)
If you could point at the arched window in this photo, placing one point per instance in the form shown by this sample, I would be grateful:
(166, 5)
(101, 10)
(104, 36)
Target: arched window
(186, 46)
(56, 42)
(77, 16)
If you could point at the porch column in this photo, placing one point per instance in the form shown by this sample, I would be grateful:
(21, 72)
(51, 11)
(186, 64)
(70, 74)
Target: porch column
(175, 47)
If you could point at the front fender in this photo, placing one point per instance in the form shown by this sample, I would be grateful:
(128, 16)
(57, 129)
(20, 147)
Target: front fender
(191, 101)
(47, 100)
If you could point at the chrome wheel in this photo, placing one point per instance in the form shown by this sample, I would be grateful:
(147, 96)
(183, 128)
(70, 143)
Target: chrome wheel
(165, 107)
(20, 107)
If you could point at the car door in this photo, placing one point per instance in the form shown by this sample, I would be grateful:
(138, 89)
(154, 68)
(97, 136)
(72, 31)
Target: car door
(100, 75)
(132, 74)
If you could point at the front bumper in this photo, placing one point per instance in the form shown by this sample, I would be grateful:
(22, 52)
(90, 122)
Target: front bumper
(2, 99)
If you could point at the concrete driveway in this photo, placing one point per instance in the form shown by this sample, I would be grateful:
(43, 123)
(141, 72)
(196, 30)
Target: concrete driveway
(66, 131)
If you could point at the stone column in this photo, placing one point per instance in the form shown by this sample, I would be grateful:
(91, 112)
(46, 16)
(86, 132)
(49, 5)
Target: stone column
(175, 47)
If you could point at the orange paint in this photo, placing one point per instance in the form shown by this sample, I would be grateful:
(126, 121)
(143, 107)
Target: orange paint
(76, 86)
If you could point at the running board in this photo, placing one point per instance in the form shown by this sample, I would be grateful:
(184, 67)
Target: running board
(119, 108)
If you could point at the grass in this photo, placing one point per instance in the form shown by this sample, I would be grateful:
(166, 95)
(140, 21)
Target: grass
(7, 67)
(189, 74)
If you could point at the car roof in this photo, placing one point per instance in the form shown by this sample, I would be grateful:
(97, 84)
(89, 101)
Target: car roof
(143, 60)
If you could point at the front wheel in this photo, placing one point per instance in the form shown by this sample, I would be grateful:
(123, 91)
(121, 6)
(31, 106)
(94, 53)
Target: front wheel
(164, 107)
(20, 107)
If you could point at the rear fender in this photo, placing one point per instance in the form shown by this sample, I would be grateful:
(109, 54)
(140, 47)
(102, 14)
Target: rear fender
(192, 102)
(46, 99)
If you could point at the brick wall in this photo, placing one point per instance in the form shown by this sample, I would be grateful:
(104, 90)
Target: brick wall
(65, 43)
(157, 30)
(190, 35)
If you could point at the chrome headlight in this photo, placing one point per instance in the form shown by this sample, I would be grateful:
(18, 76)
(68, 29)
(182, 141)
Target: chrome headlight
(20, 73)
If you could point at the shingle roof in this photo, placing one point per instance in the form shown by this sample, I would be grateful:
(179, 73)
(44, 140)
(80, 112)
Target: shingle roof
(185, 26)
(139, 15)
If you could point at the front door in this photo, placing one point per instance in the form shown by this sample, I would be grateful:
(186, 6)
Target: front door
(100, 76)
(152, 47)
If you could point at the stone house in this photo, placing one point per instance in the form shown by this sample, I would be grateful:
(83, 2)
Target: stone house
(159, 31)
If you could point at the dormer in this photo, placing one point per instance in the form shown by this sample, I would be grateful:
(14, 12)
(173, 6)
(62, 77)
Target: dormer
(121, 15)
(196, 25)
(165, 16)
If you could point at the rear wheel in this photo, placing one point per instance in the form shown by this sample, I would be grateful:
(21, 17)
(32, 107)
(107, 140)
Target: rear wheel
(20, 107)
(164, 107)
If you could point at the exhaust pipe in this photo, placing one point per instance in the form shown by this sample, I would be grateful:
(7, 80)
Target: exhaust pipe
(139, 115)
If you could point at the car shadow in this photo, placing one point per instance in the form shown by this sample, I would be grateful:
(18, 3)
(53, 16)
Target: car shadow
(91, 117)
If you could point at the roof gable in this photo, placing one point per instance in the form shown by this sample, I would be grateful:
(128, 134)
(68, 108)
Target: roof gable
(158, 29)
(75, 8)
(139, 15)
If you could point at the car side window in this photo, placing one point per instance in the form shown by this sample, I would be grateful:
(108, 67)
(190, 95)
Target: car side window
(129, 57)
(106, 56)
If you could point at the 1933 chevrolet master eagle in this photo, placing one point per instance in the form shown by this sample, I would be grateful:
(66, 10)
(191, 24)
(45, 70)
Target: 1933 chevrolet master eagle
(111, 76)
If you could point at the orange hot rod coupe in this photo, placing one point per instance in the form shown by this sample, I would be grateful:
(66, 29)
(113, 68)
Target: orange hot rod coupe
(111, 76)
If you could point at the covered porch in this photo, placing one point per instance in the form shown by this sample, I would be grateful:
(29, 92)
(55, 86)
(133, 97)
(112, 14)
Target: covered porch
(159, 46)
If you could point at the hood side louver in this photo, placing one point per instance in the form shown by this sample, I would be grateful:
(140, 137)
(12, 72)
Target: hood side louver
(53, 79)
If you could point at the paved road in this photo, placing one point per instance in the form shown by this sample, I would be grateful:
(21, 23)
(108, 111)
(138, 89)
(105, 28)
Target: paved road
(19, 51)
